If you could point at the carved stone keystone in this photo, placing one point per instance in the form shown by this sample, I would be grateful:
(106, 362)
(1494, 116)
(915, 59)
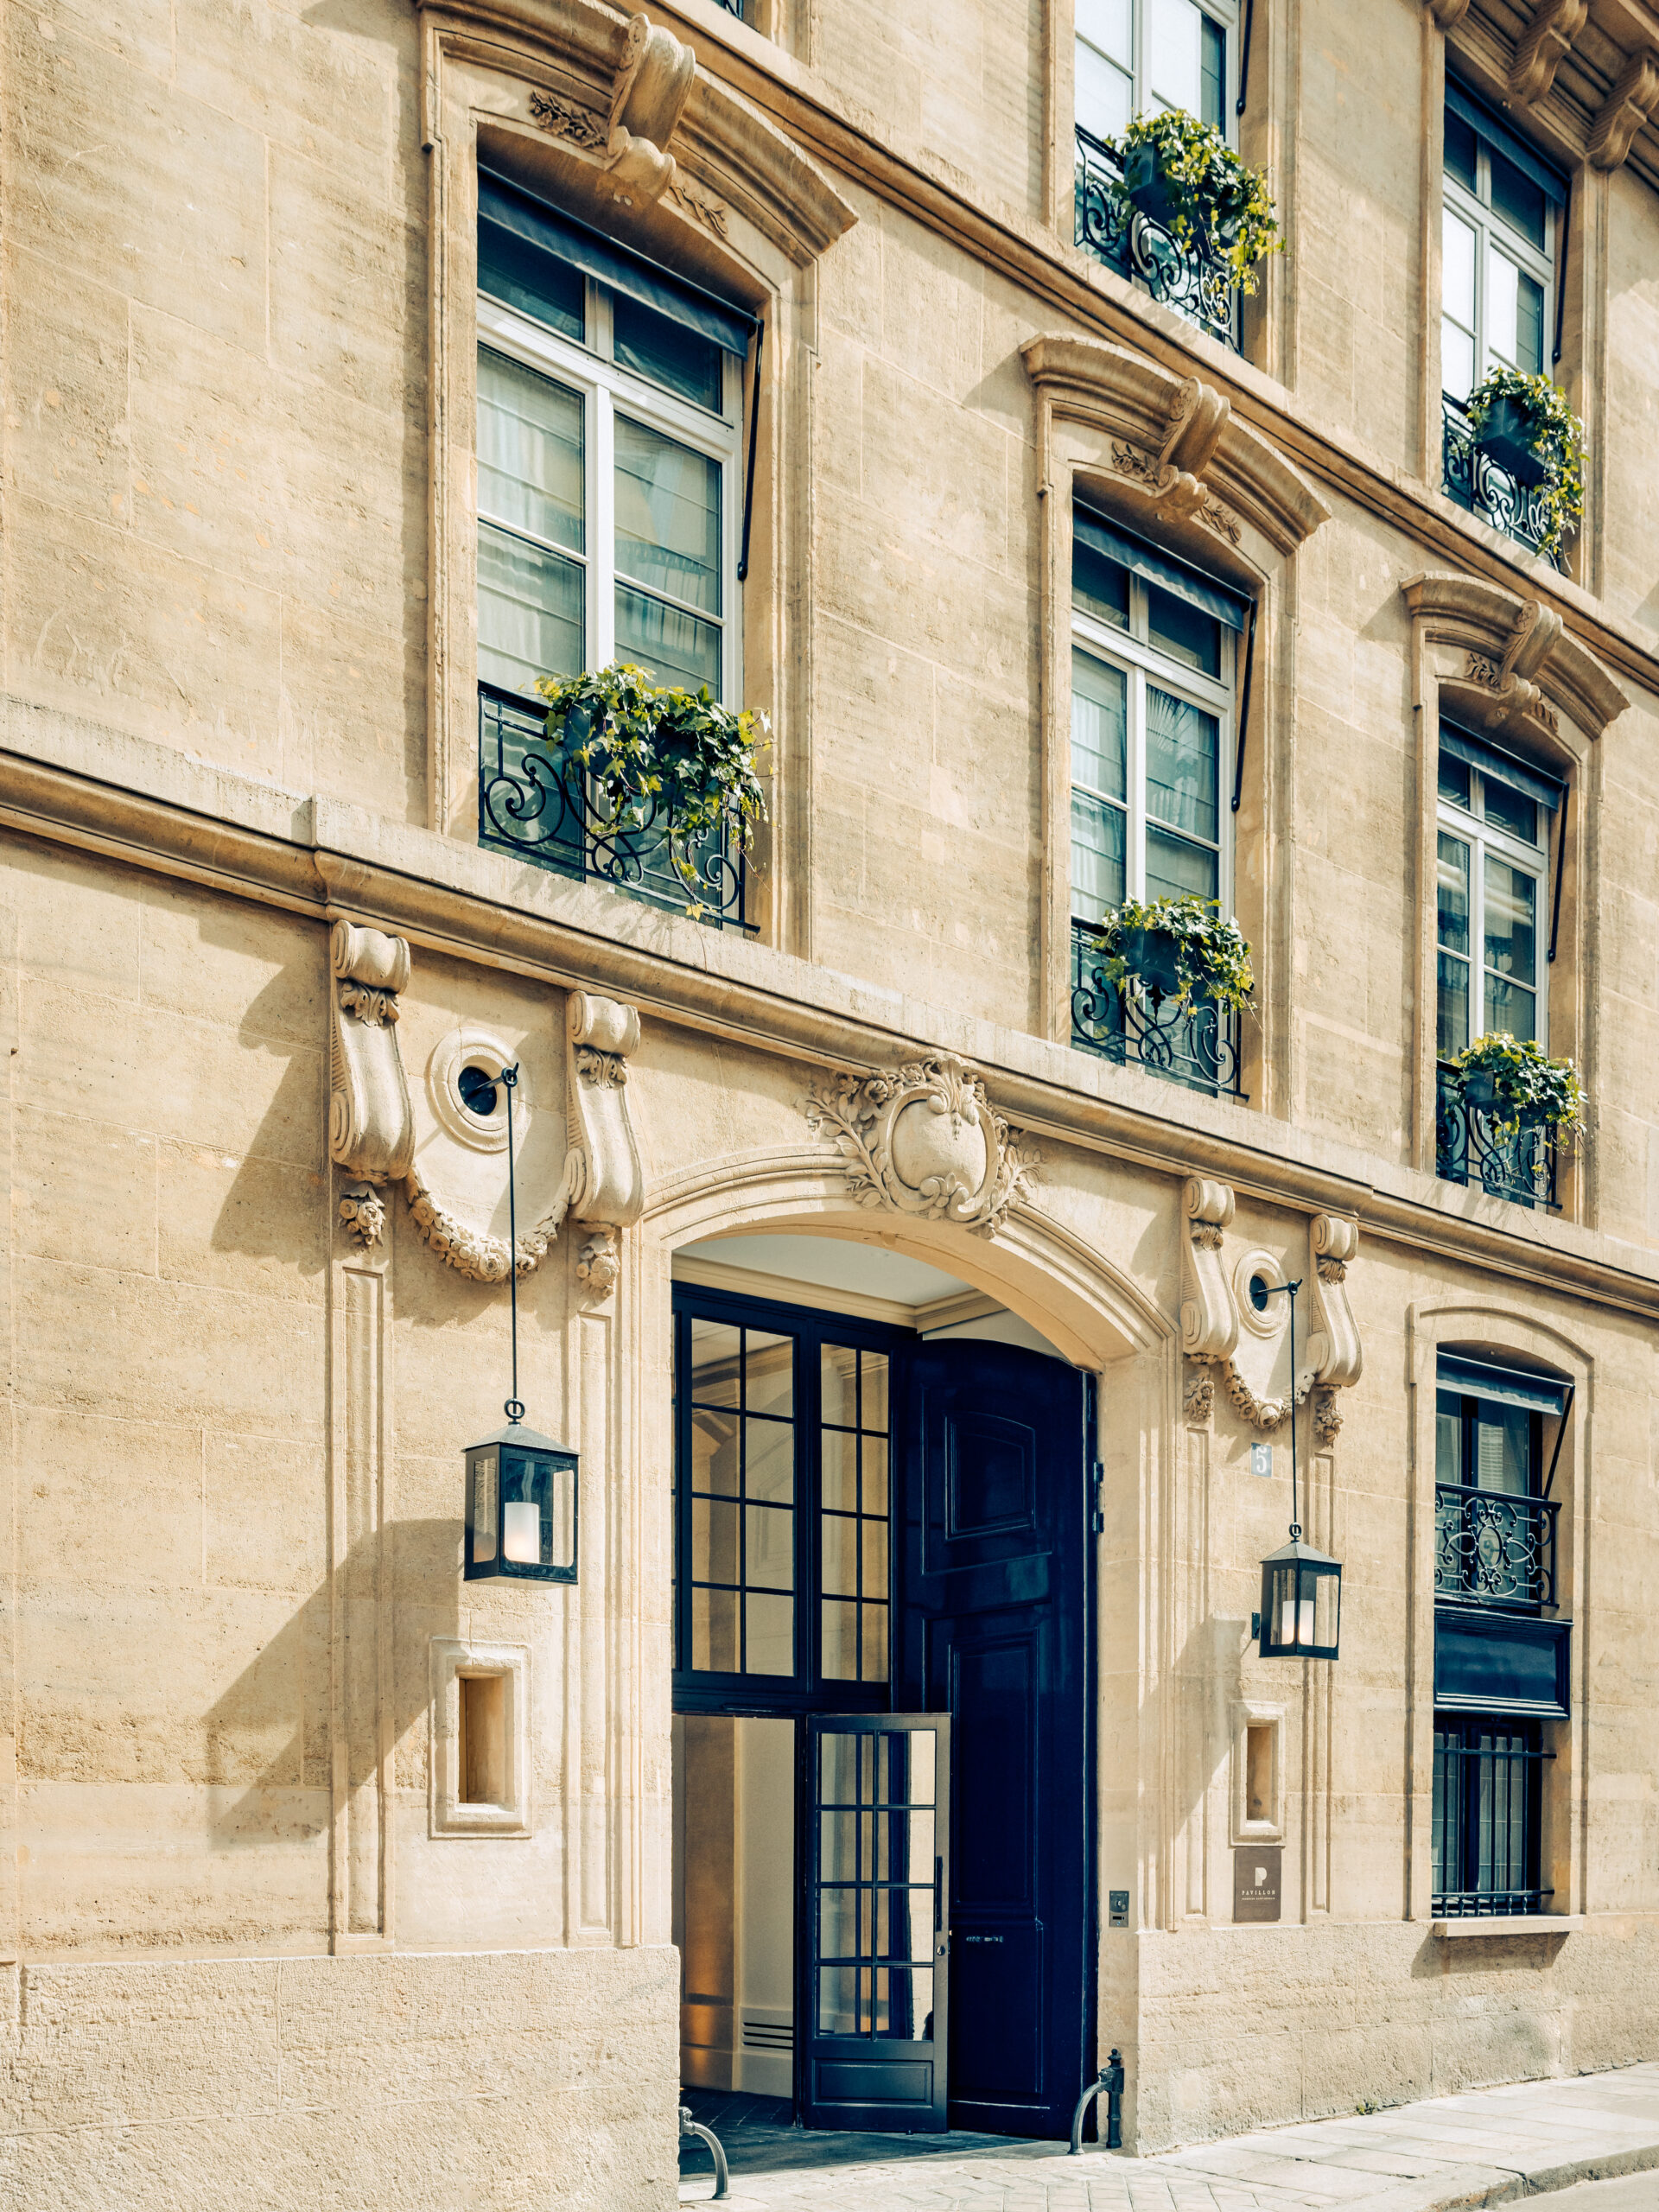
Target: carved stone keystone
(924, 1139)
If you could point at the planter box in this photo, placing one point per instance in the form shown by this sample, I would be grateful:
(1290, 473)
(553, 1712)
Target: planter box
(1508, 440)
(1148, 191)
(1151, 955)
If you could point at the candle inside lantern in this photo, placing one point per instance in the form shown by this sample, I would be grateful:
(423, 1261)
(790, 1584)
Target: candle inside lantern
(521, 1532)
(1305, 1633)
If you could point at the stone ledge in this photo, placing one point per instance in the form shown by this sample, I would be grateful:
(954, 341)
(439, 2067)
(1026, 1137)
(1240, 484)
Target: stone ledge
(1520, 1924)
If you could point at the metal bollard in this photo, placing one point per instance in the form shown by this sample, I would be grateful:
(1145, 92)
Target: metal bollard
(1111, 2081)
(690, 2126)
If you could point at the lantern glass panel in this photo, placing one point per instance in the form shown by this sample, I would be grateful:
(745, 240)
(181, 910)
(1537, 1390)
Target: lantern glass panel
(521, 1509)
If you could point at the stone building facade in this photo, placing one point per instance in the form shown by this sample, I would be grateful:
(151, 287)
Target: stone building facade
(346, 348)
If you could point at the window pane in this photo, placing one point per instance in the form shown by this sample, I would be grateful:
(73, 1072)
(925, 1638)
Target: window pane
(1510, 810)
(1451, 1005)
(714, 1631)
(1452, 924)
(1530, 327)
(1510, 934)
(674, 648)
(1502, 1447)
(537, 285)
(1185, 633)
(1183, 751)
(838, 1479)
(530, 452)
(715, 1354)
(768, 1635)
(838, 1640)
(769, 1461)
(1102, 93)
(1099, 709)
(768, 1373)
(668, 503)
(667, 352)
(1502, 277)
(873, 1661)
(530, 611)
(903, 2002)
(874, 1450)
(714, 1453)
(1214, 111)
(1100, 586)
(768, 1548)
(1448, 1436)
(838, 1385)
(1517, 200)
(714, 1540)
(1174, 63)
(1459, 150)
(840, 1538)
(1096, 857)
(873, 1397)
(874, 1564)
(1510, 1007)
(1106, 25)
(1454, 779)
(1456, 360)
(1176, 869)
(1457, 269)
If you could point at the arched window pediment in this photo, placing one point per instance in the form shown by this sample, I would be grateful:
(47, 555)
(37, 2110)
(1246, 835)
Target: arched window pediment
(1509, 664)
(1179, 455)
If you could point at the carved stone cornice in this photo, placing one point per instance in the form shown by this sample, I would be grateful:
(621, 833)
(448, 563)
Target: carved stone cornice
(370, 1129)
(1177, 441)
(1547, 39)
(1209, 1314)
(1520, 667)
(924, 1139)
(1630, 104)
(1333, 1349)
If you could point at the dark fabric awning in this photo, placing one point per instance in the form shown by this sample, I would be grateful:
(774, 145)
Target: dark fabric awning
(1525, 776)
(1508, 1386)
(1473, 110)
(1153, 567)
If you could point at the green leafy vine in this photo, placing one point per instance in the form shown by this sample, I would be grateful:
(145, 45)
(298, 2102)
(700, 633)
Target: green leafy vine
(1212, 193)
(1529, 1086)
(1556, 437)
(1213, 957)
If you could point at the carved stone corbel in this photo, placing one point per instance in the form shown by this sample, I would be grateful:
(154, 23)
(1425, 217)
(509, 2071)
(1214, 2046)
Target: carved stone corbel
(1334, 1351)
(1209, 1316)
(370, 1129)
(647, 101)
(1173, 477)
(1630, 104)
(1547, 39)
(924, 1139)
(604, 1184)
(1530, 642)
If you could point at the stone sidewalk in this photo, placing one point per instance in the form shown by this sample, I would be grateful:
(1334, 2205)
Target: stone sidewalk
(1491, 2146)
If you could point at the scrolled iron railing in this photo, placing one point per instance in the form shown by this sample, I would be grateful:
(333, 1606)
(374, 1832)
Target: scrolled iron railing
(1492, 1548)
(1194, 1044)
(1196, 278)
(539, 805)
(1477, 482)
(1518, 1164)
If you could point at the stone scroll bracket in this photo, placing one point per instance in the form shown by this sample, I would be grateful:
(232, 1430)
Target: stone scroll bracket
(1209, 1310)
(1333, 1333)
(924, 1139)
(370, 1129)
(630, 142)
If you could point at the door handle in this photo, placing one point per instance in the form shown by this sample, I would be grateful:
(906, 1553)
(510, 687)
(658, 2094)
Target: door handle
(939, 1894)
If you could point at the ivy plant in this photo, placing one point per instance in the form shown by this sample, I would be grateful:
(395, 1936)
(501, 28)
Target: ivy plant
(1212, 959)
(659, 759)
(1556, 437)
(1528, 1087)
(1212, 193)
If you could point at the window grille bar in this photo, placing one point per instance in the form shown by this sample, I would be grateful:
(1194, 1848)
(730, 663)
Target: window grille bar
(1518, 1164)
(1476, 481)
(1492, 1548)
(1196, 1045)
(1197, 279)
(1486, 1824)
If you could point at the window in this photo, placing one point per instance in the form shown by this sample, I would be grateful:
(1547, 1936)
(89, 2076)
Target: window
(1133, 55)
(1487, 1816)
(1151, 702)
(608, 447)
(782, 1494)
(1492, 883)
(1494, 1519)
(1499, 245)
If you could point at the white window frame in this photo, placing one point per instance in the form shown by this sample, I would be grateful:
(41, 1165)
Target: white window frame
(1483, 837)
(1493, 234)
(1142, 662)
(1223, 12)
(603, 385)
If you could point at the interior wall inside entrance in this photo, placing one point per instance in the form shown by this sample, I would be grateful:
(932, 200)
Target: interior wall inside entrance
(733, 1901)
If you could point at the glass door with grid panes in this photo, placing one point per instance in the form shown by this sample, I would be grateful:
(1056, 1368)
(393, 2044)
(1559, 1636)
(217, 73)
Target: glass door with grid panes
(1492, 880)
(1498, 248)
(1136, 56)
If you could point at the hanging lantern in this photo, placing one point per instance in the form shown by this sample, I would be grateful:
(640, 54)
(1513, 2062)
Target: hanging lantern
(1301, 1602)
(521, 1509)
(521, 1487)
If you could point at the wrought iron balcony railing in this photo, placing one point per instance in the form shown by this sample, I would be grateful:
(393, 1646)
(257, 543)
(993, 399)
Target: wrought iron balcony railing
(1492, 1548)
(540, 806)
(1194, 1045)
(1195, 278)
(1475, 481)
(1518, 1164)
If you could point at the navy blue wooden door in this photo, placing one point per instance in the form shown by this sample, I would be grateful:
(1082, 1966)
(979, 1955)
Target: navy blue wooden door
(993, 1628)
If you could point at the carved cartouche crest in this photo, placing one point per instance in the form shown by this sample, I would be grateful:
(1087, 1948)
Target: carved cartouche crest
(1199, 1398)
(924, 1139)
